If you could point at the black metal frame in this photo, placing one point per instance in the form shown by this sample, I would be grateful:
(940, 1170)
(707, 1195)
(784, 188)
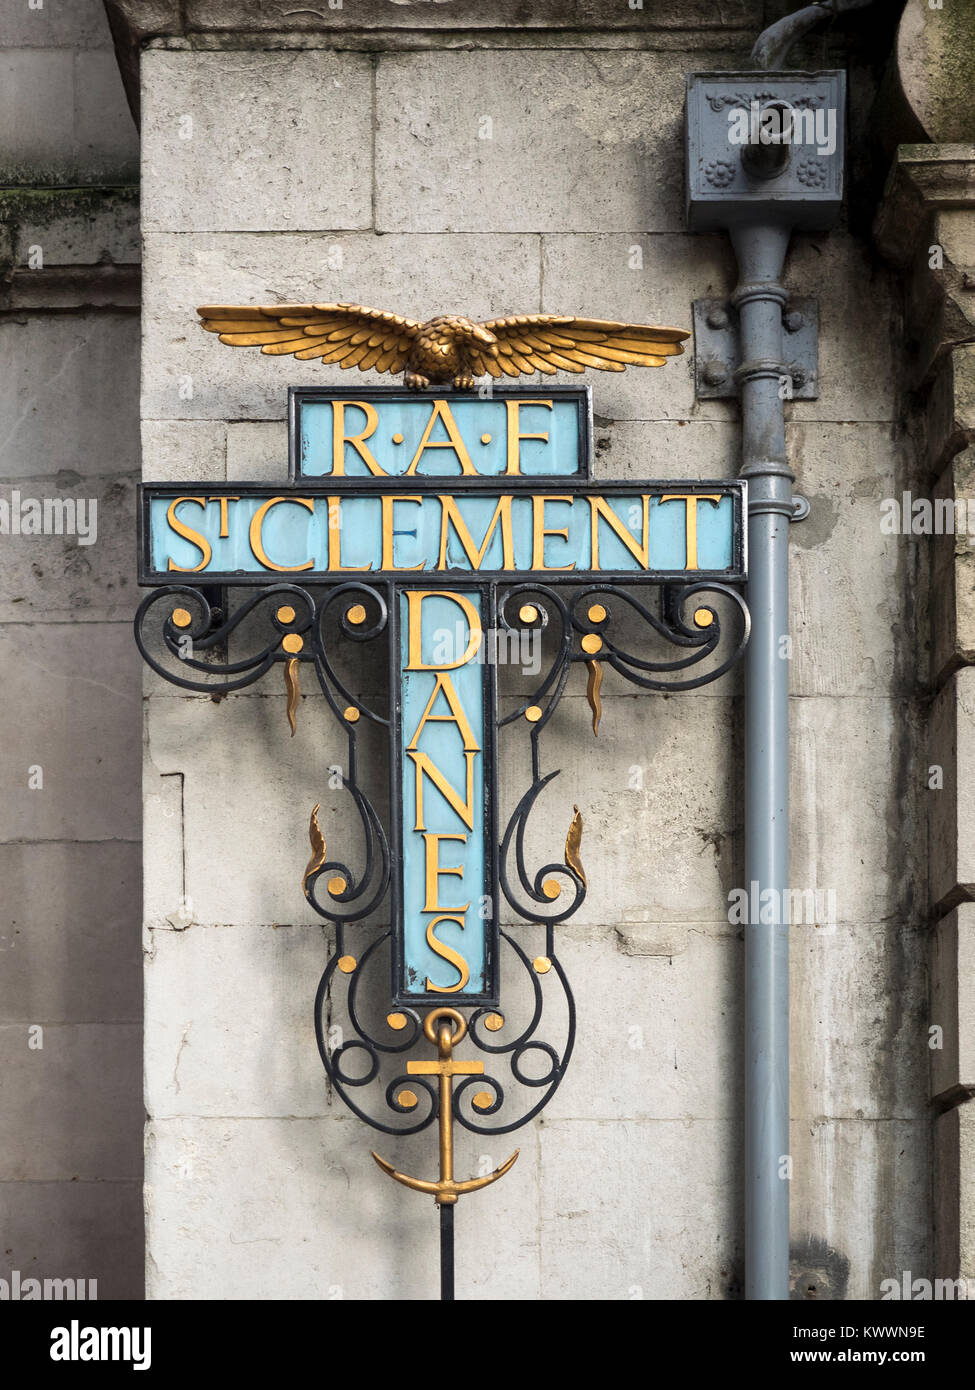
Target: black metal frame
(736, 489)
(521, 888)
(558, 599)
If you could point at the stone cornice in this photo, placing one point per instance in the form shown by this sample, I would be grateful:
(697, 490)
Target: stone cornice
(924, 179)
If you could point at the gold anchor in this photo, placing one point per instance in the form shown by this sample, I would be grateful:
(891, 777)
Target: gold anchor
(446, 1191)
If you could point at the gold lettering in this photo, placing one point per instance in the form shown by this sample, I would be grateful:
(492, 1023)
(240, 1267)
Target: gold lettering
(425, 764)
(691, 499)
(257, 523)
(358, 441)
(441, 411)
(224, 519)
(387, 506)
(414, 600)
(539, 533)
(600, 507)
(449, 954)
(335, 539)
(187, 532)
(434, 870)
(515, 435)
(450, 516)
(457, 716)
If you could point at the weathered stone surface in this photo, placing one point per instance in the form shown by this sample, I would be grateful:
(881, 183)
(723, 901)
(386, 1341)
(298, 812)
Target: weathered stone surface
(954, 1174)
(933, 56)
(293, 130)
(603, 131)
(597, 1242)
(87, 136)
(953, 571)
(72, 696)
(951, 805)
(72, 1106)
(257, 452)
(214, 1186)
(69, 932)
(857, 376)
(953, 1003)
(848, 769)
(91, 359)
(415, 276)
(860, 1044)
(75, 1230)
(55, 578)
(76, 227)
(159, 17)
(82, 24)
(860, 1195)
(177, 451)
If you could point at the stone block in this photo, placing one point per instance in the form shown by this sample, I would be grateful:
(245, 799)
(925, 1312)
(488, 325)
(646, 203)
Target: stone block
(73, 697)
(90, 359)
(954, 1176)
(850, 772)
(603, 133)
(326, 1222)
(75, 1230)
(951, 805)
(183, 451)
(639, 1210)
(860, 1195)
(952, 1007)
(73, 1108)
(70, 932)
(55, 578)
(293, 129)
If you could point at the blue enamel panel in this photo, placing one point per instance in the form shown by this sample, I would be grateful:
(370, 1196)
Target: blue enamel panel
(396, 427)
(444, 635)
(294, 532)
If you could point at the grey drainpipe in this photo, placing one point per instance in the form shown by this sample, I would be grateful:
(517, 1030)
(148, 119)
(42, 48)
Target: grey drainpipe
(759, 194)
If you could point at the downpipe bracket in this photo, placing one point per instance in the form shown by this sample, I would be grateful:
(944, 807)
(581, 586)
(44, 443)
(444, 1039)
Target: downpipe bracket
(718, 368)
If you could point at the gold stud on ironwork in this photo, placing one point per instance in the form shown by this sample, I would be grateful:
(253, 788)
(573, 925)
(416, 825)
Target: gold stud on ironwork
(286, 614)
(483, 1100)
(181, 618)
(347, 964)
(494, 1022)
(592, 642)
(541, 965)
(528, 613)
(396, 1021)
(551, 889)
(350, 714)
(597, 613)
(703, 617)
(533, 714)
(407, 1100)
(356, 614)
(292, 642)
(336, 885)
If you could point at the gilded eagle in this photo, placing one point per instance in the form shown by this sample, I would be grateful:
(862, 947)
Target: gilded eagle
(449, 348)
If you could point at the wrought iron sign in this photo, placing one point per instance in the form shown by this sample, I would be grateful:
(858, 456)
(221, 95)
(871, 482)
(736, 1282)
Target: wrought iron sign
(451, 532)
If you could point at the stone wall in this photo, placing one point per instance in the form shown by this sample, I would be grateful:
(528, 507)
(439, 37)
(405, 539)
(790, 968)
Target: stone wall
(70, 729)
(431, 162)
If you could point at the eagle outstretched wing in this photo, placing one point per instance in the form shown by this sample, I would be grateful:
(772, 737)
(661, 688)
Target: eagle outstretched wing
(550, 342)
(349, 334)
